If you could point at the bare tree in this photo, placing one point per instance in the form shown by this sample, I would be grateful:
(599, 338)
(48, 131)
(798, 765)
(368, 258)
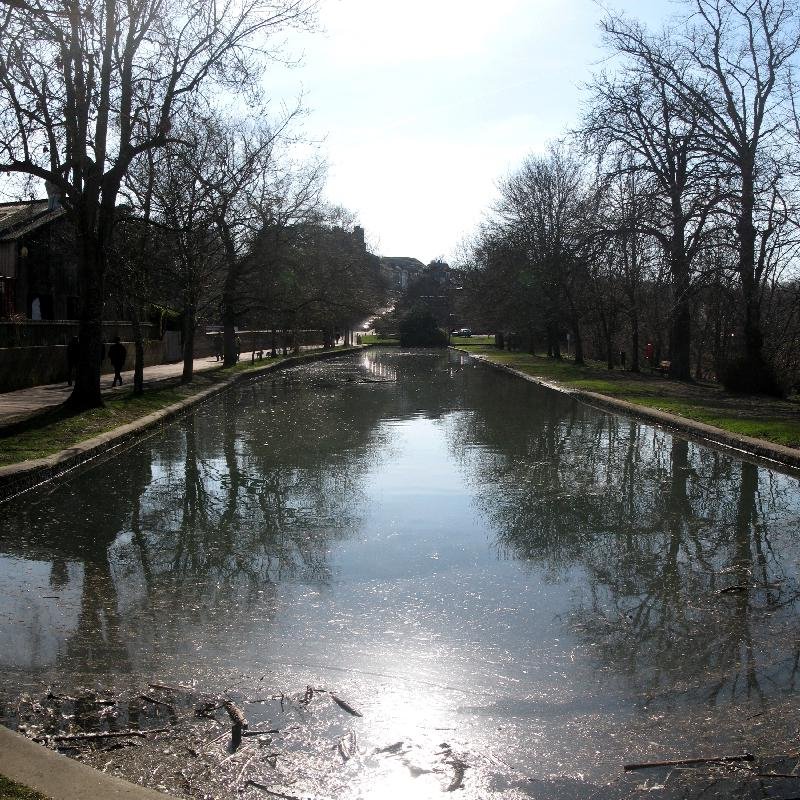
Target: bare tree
(541, 206)
(734, 77)
(639, 123)
(249, 184)
(87, 86)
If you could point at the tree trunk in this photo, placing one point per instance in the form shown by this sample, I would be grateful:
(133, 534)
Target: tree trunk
(555, 335)
(138, 346)
(634, 342)
(680, 329)
(576, 332)
(86, 392)
(753, 336)
(189, 325)
(228, 338)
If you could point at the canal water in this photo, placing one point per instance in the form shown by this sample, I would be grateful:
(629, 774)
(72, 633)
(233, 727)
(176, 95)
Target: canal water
(518, 594)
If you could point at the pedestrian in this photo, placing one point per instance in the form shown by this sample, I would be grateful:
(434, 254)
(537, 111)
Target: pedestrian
(238, 348)
(72, 359)
(117, 355)
(218, 346)
(622, 358)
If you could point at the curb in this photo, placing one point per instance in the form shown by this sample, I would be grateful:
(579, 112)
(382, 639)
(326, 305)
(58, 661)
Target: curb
(60, 777)
(747, 446)
(18, 478)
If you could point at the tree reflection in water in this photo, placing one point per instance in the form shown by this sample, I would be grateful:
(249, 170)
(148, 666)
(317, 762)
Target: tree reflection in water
(690, 556)
(190, 529)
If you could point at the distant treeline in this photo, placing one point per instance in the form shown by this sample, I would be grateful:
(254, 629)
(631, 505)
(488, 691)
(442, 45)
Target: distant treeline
(669, 215)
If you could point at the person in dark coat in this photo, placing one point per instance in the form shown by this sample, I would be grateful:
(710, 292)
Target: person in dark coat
(117, 355)
(72, 359)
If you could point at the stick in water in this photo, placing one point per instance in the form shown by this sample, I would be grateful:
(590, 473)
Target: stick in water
(679, 762)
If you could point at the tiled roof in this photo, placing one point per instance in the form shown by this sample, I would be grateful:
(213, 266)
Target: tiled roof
(17, 219)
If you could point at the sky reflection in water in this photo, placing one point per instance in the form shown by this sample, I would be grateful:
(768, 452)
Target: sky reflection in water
(468, 558)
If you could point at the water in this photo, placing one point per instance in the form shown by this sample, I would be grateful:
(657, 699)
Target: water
(492, 574)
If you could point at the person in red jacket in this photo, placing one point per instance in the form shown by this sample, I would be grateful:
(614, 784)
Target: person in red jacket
(649, 350)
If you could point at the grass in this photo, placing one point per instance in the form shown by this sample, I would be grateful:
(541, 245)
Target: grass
(59, 429)
(456, 341)
(9, 790)
(471, 341)
(380, 340)
(765, 418)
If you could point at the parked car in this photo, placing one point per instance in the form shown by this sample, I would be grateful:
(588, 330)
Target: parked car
(462, 332)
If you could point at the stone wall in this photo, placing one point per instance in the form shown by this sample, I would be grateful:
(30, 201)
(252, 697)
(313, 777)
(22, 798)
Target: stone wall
(55, 332)
(21, 367)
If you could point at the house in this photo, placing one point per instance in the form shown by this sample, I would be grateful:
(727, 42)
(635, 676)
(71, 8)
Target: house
(38, 270)
(399, 271)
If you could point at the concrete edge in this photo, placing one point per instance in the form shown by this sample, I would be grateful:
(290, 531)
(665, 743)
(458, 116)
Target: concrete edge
(25, 475)
(746, 446)
(60, 777)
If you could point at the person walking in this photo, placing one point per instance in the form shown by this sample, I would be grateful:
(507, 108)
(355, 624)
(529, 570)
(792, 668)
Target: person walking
(117, 355)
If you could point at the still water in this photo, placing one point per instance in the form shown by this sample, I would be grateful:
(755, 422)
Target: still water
(479, 566)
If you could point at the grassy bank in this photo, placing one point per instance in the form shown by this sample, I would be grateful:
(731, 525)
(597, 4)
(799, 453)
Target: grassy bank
(760, 417)
(9, 790)
(386, 341)
(59, 429)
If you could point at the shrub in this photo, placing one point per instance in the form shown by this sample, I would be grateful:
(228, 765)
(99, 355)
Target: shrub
(743, 376)
(418, 328)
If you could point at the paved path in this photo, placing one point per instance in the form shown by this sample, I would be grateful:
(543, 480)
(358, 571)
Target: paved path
(18, 405)
(62, 778)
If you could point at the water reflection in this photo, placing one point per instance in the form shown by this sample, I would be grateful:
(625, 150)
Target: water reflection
(457, 548)
(690, 557)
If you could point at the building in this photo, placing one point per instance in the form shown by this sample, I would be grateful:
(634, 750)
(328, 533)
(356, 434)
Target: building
(38, 269)
(399, 271)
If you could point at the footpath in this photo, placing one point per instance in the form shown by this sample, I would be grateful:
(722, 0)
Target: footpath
(40, 442)
(23, 403)
(58, 777)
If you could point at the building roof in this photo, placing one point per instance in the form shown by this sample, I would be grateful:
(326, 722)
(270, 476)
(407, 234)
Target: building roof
(403, 263)
(17, 219)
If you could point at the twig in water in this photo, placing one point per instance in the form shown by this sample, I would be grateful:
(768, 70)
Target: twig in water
(390, 748)
(270, 791)
(689, 761)
(239, 722)
(70, 737)
(244, 768)
(776, 775)
(344, 705)
(155, 702)
(176, 689)
(348, 749)
(233, 755)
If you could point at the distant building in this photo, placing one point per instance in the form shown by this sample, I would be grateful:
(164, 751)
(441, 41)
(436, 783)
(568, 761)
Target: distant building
(38, 270)
(398, 271)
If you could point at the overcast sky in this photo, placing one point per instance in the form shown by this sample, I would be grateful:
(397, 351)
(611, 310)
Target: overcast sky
(424, 104)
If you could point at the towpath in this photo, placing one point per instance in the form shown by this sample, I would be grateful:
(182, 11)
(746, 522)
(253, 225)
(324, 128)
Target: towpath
(23, 403)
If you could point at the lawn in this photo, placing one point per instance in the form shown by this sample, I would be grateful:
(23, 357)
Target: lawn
(387, 341)
(760, 417)
(9, 790)
(471, 341)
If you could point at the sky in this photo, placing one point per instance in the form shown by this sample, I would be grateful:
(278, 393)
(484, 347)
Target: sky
(421, 106)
